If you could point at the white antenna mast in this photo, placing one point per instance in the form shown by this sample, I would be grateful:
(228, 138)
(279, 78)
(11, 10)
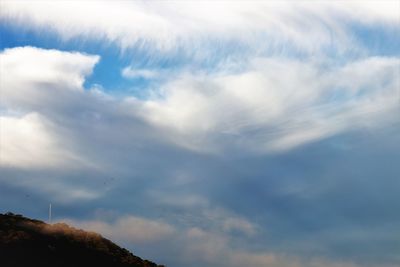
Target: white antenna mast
(50, 213)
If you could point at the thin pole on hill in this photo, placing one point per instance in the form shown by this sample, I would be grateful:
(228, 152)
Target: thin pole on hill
(50, 213)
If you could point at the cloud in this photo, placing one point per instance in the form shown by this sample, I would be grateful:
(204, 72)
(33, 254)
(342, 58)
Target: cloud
(35, 75)
(277, 155)
(168, 26)
(272, 105)
(207, 248)
(39, 89)
(130, 73)
(129, 229)
(35, 79)
(196, 246)
(56, 67)
(275, 104)
(238, 224)
(28, 142)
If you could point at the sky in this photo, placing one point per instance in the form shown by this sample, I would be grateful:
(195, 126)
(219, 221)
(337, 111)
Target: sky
(207, 133)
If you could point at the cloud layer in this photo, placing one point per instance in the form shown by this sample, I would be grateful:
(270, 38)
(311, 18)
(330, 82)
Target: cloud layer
(263, 134)
(166, 26)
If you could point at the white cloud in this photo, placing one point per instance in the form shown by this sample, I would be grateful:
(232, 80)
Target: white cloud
(55, 67)
(131, 73)
(25, 142)
(28, 142)
(32, 76)
(274, 104)
(166, 25)
(33, 80)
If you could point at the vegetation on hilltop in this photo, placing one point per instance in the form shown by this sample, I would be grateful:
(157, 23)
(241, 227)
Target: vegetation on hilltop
(26, 242)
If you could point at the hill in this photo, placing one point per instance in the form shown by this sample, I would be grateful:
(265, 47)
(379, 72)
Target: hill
(26, 242)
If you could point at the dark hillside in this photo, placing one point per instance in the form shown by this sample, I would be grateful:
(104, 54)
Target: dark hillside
(26, 242)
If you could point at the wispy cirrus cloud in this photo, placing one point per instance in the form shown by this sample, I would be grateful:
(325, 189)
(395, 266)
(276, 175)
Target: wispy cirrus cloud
(306, 26)
(131, 73)
(275, 104)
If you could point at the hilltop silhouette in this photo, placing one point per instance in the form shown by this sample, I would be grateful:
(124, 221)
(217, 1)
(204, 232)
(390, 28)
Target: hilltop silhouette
(25, 242)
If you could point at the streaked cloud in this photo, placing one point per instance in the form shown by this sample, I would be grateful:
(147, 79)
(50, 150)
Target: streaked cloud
(131, 73)
(275, 104)
(166, 26)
